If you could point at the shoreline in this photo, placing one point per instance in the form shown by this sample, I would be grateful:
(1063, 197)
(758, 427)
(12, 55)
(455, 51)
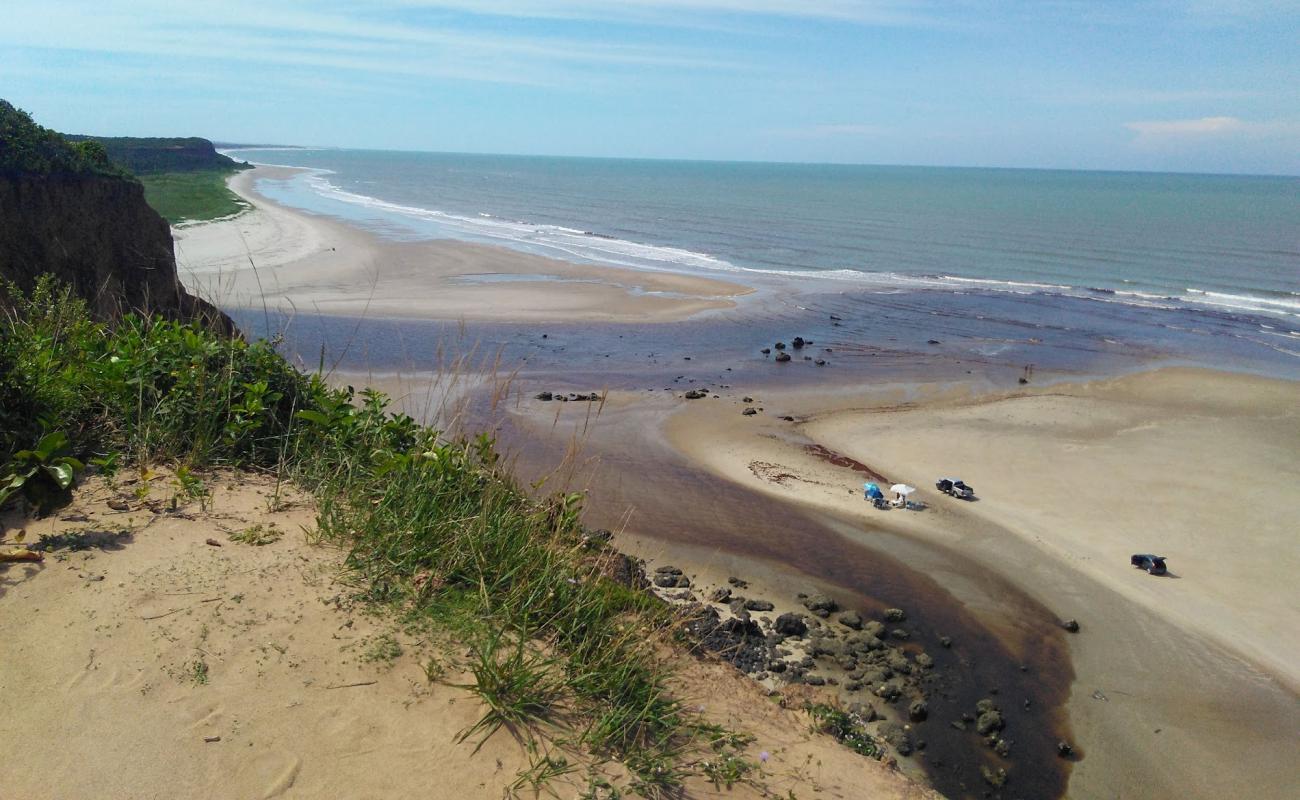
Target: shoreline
(302, 261)
(1204, 697)
(1179, 647)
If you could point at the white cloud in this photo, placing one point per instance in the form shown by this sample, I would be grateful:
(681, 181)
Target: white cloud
(672, 12)
(1205, 126)
(829, 131)
(312, 36)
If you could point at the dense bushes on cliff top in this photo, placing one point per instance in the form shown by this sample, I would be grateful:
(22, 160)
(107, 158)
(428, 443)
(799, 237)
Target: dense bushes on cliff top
(434, 526)
(150, 155)
(29, 149)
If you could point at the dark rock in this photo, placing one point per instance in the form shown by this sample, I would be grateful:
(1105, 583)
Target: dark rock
(900, 633)
(790, 624)
(874, 628)
(846, 662)
(835, 317)
(945, 641)
(749, 412)
(780, 345)
(782, 357)
(1002, 747)
(544, 396)
(895, 615)
(627, 571)
(995, 778)
(759, 605)
(897, 737)
(765, 350)
(815, 680)
(788, 418)
(988, 722)
(739, 642)
(667, 580)
(720, 595)
(828, 647)
(898, 662)
(737, 582)
(797, 343)
(819, 602)
(821, 362)
(696, 394)
(918, 711)
(776, 665)
(890, 690)
(863, 711)
(1071, 625)
(851, 619)
(932, 341)
(746, 399)
(1063, 749)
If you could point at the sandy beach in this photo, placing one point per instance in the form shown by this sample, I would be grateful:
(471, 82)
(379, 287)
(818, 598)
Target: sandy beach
(164, 656)
(1182, 686)
(276, 257)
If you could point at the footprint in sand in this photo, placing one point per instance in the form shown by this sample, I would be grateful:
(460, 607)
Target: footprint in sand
(94, 679)
(206, 716)
(267, 775)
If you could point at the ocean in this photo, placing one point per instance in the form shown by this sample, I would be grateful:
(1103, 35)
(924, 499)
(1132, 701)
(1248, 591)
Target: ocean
(1221, 251)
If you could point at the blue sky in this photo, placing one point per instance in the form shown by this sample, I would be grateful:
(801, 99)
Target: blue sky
(1184, 85)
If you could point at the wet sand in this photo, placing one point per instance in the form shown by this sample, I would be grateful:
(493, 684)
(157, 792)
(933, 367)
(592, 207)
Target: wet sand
(1185, 685)
(1182, 691)
(279, 258)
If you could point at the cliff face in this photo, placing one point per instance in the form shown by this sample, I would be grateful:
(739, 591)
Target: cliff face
(147, 156)
(96, 233)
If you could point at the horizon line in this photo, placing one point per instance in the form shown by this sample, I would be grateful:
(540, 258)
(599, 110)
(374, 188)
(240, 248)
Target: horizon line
(228, 147)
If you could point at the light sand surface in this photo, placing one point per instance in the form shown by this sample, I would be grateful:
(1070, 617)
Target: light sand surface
(298, 693)
(286, 259)
(1185, 685)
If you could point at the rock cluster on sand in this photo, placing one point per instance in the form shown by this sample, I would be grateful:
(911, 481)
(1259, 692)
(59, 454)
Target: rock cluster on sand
(671, 578)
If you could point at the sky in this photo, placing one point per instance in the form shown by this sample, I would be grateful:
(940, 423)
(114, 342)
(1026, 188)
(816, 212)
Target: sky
(1159, 85)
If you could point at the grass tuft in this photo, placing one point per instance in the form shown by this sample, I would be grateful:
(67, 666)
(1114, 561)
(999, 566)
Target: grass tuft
(433, 525)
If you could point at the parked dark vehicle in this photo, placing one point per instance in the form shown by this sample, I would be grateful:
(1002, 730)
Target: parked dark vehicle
(955, 487)
(1154, 565)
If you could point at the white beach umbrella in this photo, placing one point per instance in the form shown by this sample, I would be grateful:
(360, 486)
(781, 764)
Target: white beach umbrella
(902, 488)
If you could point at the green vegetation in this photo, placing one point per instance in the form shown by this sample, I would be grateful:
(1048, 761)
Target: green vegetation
(184, 179)
(191, 196)
(846, 728)
(149, 156)
(29, 149)
(256, 535)
(434, 528)
(42, 476)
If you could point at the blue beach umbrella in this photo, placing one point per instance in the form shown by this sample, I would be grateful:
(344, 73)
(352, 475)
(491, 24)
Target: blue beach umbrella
(872, 491)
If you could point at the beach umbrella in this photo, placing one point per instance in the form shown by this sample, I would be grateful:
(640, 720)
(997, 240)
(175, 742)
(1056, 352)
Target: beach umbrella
(902, 488)
(872, 490)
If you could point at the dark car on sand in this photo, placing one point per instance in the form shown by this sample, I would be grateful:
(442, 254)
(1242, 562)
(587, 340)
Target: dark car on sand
(1154, 565)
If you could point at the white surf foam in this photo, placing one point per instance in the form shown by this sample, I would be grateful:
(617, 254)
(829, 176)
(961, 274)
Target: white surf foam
(573, 243)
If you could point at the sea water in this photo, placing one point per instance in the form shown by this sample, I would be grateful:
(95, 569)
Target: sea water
(1221, 251)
